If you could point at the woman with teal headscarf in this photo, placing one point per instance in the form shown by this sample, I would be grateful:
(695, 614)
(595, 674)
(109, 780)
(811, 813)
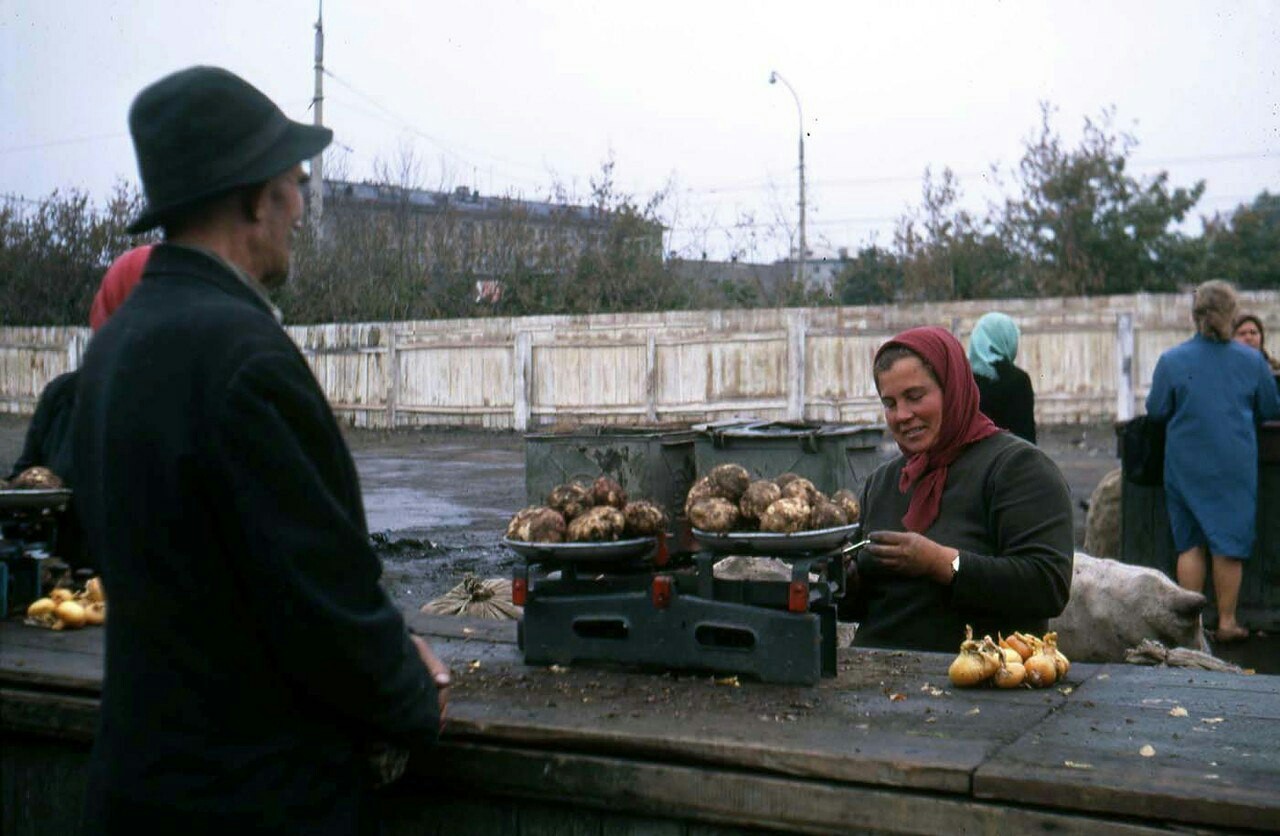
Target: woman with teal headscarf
(1005, 390)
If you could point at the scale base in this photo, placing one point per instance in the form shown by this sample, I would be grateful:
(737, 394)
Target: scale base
(688, 633)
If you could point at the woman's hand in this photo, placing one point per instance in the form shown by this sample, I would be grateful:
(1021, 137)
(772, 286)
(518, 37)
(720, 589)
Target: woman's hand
(910, 554)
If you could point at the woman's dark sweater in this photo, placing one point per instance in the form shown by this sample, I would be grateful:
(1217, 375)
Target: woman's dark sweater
(1007, 509)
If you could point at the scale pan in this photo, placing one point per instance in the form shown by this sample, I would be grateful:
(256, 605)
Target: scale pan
(768, 543)
(34, 500)
(603, 552)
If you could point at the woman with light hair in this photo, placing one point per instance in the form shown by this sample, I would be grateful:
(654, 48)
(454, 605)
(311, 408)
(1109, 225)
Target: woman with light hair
(1212, 392)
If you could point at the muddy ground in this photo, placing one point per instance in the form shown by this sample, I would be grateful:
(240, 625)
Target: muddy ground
(438, 502)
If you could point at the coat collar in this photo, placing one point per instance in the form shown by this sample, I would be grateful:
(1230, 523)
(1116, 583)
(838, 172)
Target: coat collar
(209, 266)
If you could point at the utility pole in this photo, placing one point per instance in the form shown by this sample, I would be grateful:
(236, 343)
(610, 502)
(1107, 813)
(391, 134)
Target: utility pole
(317, 104)
(774, 78)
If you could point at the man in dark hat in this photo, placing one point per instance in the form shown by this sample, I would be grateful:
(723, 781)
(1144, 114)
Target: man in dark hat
(252, 657)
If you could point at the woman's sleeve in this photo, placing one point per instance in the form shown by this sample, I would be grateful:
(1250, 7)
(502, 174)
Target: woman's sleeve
(1029, 515)
(1160, 398)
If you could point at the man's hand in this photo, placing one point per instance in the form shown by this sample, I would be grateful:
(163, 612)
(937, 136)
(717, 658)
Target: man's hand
(439, 672)
(911, 554)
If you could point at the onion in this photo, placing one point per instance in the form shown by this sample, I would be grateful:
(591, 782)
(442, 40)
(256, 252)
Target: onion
(59, 595)
(1010, 675)
(969, 668)
(973, 665)
(41, 607)
(93, 590)
(991, 656)
(1060, 661)
(1012, 656)
(1041, 670)
(70, 615)
(95, 612)
(1022, 645)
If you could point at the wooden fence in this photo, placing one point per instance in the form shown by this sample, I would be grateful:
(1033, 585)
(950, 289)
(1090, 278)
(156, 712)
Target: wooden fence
(1089, 359)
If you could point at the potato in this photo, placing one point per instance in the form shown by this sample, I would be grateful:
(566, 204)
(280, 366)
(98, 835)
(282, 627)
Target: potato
(802, 489)
(702, 489)
(545, 525)
(606, 491)
(847, 501)
(714, 514)
(758, 496)
(36, 478)
(786, 479)
(643, 519)
(518, 520)
(570, 500)
(599, 524)
(785, 516)
(731, 480)
(826, 514)
(537, 524)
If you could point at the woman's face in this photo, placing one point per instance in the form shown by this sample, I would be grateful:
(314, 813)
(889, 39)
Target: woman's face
(1249, 334)
(912, 402)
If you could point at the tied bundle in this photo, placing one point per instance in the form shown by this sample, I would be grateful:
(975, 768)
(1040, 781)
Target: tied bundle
(476, 598)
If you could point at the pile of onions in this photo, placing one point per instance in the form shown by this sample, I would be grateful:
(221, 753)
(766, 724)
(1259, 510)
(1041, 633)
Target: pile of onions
(67, 609)
(1020, 660)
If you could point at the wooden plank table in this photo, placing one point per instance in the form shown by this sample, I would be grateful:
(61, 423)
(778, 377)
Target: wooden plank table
(888, 744)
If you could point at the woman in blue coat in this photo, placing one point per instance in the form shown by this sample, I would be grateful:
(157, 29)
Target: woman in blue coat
(1212, 392)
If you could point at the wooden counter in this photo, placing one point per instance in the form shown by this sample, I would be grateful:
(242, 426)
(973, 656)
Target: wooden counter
(887, 745)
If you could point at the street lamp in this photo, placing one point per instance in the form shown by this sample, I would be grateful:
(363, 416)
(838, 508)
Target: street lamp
(774, 78)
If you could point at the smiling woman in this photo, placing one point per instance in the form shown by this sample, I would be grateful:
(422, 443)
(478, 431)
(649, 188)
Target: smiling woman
(970, 525)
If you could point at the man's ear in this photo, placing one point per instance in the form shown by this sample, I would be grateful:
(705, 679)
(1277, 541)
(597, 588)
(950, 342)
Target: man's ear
(253, 202)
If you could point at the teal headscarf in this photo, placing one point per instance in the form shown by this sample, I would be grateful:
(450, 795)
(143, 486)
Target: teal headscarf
(994, 338)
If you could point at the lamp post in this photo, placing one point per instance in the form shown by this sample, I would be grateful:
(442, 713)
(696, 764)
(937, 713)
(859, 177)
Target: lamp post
(774, 78)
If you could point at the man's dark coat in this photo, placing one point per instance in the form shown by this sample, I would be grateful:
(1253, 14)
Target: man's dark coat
(250, 649)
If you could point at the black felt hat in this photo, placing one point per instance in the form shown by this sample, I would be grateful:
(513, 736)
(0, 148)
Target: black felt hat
(203, 131)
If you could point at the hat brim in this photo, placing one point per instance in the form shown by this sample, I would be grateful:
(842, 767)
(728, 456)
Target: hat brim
(299, 142)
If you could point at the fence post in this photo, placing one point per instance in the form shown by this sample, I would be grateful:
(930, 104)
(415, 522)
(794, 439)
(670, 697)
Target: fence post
(1124, 367)
(393, 369)
(522, 379)
(651, 377)
(75, 348)
(796, 338)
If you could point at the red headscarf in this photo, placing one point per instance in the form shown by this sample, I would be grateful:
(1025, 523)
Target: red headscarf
(962, 423)
(117, 283)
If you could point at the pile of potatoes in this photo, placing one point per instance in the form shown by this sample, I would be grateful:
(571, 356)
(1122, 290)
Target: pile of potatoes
(67, 609)
(727, 499)
(33, 479)
(579, 513)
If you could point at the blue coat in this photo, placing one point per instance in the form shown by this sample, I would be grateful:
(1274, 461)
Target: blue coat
(1212, 395)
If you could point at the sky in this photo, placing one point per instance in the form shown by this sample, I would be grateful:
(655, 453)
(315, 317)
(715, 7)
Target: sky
(531, 99)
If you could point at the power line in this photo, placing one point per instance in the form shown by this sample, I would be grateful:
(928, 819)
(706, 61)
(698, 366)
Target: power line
(38, 146)
(405, 124)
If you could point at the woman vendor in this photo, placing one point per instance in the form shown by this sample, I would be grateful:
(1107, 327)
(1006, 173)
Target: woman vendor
(969, 526)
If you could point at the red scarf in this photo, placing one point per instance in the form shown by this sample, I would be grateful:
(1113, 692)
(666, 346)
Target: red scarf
(962, 423)
(117, 284)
